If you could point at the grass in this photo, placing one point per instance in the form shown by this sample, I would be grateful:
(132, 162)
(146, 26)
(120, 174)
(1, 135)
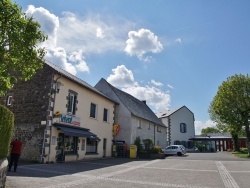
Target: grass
(241, 154)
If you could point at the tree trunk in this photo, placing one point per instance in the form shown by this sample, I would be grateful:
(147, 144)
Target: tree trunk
(235, 142)
(248, 137)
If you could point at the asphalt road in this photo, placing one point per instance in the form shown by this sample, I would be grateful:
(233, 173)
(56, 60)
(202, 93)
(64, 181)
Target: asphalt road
(194, 170)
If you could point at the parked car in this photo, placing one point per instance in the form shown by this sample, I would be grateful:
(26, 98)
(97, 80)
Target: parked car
(174, 150)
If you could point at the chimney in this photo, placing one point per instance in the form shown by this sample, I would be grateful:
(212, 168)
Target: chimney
(144, 101)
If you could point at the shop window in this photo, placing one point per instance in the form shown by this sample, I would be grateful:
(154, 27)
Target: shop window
(70, 144)
(93, 110)
(183, 128)
(91, 146)
(105, 115)
(72, 101)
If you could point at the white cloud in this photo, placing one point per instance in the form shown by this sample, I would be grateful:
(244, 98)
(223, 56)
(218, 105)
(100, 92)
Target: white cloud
(99, 33)
(199, 125)
(158, 84)
(178, 40)
(58, 56)
(121, 77)
(49, 23)
(77, 57)
(171, 87)
(141, 43)
(124, 79)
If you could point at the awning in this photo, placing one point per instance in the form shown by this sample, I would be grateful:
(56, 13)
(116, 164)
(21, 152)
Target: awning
(79, 132)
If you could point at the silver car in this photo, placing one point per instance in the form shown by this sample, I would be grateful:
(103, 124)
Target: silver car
(174, 150)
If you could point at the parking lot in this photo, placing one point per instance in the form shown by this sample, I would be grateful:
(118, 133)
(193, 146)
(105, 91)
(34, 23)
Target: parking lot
(193, 170)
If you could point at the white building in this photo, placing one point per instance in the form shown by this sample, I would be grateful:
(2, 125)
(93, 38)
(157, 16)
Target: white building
(134, 117)
(180, 126)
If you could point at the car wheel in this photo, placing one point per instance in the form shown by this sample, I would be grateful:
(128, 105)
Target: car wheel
(179, 154)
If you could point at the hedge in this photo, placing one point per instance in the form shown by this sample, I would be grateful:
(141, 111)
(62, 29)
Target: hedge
(6, 130)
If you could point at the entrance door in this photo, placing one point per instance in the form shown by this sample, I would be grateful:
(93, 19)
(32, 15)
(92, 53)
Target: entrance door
(60, 148)
(104, 147)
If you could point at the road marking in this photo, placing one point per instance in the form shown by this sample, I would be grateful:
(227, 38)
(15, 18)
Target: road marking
(88, 178)
(227, 179)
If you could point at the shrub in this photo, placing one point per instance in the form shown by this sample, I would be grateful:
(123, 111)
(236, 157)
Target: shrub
(243, 150)
(138, 144)
(6, 130)
(156, 149)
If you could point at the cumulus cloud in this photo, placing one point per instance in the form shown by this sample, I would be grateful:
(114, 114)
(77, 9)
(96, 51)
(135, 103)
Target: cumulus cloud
(121, 77)
(49, 23)
(155, 97)
(158, 84)
(142, 42)
(70, 36)
(199, 125)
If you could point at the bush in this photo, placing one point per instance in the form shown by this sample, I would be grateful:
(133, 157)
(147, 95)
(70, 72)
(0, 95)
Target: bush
(6, 130)
(156, 149)
(138, 144)
(243, 150)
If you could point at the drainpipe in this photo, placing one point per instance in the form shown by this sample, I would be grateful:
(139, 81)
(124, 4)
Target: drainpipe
(53, 110)
(154, 134)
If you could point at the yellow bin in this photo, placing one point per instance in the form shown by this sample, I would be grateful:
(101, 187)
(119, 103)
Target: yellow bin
(133, 151)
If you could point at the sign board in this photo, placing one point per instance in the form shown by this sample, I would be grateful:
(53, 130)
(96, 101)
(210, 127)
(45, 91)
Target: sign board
(67, 119)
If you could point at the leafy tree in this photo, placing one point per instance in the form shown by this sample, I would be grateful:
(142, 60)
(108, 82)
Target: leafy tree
(207, 130)
(231, 105)
(20, 56)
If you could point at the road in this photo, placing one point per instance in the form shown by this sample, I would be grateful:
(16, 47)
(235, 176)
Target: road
(194, 170)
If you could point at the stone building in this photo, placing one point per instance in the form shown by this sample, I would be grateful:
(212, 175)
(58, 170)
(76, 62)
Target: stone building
(60, 117)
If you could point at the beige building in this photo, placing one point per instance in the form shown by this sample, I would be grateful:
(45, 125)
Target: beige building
(82, 120)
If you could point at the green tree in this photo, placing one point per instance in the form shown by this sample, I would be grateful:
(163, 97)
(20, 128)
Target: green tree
(231, 105)
(207, 130)
(20, 56)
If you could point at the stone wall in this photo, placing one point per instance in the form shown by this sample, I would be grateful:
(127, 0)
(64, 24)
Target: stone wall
(30, 106)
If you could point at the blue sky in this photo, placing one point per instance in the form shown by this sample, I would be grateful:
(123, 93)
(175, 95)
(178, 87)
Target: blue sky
(169, 53)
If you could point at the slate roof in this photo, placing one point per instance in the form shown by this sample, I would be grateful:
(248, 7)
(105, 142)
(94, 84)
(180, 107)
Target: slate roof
(170, 112)
(75, 79)
(135, 106)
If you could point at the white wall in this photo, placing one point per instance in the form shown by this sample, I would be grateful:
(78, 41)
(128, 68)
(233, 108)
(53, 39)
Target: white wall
(182, 115)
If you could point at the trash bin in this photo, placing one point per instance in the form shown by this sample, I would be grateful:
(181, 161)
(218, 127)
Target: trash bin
(133, 151)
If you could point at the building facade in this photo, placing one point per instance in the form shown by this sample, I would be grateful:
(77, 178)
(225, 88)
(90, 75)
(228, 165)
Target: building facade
(60, 117)
(180, 126)
(133, 117)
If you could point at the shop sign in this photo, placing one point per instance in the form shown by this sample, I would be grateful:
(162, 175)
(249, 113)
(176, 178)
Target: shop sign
(68, 119)
(116, 129)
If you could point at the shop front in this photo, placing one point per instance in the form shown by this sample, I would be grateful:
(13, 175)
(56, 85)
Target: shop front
(74, 143)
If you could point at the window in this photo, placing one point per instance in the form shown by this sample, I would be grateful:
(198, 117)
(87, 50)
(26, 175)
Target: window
(70, 144)
(72, 101)
(91, 146)
(105, 115)
(9, 101)
(183, 128)
(93, 110)
(158, 128)
(139, 124)
(148, 126)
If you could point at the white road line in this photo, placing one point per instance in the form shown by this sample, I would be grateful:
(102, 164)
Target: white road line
(182, 169)
(88, 178)
(227, 179)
